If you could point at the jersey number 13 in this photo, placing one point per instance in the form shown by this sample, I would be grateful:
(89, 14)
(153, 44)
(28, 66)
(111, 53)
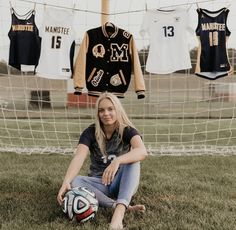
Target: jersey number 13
(168, 31)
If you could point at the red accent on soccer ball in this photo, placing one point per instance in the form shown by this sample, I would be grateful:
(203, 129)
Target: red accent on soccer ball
(84, 215)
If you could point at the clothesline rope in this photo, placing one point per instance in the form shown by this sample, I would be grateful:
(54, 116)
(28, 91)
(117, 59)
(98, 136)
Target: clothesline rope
(122, 12)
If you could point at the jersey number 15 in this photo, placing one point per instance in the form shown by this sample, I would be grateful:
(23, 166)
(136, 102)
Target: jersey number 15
(56, 42)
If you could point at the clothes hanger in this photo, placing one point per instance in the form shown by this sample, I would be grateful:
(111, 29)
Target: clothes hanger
(34, 8)
(11, 8)
(74, 5)
(22, 16)
(197, 5)
(189, 7)
(109, 24)
(229, 4)
(165, 9)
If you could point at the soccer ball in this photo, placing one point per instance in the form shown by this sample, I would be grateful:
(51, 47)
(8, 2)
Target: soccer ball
(80, 204)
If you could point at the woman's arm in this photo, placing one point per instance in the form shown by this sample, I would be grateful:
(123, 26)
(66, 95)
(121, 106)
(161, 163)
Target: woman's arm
(73, 169)
(138, 152)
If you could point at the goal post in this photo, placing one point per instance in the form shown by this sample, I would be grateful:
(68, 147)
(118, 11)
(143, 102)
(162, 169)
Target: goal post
(105, 11)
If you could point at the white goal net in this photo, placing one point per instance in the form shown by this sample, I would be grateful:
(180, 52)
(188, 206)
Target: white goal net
(181, 113)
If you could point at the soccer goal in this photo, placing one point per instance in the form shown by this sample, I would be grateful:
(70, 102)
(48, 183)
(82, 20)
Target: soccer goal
(181, 113)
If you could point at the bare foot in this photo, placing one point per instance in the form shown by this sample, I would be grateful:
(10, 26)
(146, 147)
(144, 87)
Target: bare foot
(118, 227)
(137, 207)
(117, 218)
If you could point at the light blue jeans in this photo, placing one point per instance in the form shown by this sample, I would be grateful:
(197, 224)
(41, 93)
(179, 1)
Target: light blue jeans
(121, 190)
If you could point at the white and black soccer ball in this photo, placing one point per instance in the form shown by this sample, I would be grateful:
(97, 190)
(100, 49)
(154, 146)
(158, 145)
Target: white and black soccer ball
(80, 204)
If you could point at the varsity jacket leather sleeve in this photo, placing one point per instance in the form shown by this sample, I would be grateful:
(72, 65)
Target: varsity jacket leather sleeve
(80, 66)
(105, 62)
(139, 84)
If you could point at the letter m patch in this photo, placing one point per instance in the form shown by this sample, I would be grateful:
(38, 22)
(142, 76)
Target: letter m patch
(119, 53)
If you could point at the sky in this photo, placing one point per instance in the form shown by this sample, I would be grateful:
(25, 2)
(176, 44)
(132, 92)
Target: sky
(126, 14)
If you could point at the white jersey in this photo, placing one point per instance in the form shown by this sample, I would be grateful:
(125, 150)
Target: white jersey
(57, 47)
(169, 50)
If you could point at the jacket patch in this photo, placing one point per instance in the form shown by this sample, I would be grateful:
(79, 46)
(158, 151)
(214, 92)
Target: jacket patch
(115, 80)
(97, 78)
(126, 34)
(119, 53)
(99, 51)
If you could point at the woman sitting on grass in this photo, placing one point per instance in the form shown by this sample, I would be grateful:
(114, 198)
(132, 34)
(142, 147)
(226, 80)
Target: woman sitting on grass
(116, 150)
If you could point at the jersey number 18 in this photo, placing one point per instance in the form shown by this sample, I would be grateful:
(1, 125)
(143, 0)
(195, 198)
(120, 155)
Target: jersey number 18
(213, 38)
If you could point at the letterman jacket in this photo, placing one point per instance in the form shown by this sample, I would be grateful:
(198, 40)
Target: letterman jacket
(106, 58)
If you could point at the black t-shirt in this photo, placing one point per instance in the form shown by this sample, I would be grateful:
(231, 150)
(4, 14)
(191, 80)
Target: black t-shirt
(114, 148)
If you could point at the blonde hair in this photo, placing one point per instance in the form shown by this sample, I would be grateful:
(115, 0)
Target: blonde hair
(122, 120)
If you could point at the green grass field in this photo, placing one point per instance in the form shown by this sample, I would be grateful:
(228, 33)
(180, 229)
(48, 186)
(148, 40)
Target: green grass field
(187, 192)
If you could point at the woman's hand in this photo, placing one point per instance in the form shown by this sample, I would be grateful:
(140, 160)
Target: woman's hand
(73, 169)
(64, 188)
(110, 172)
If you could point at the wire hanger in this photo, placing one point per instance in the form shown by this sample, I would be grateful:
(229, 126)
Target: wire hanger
(74, 5)
(11, 8)
(189, 6)
(197, 5)
(34, 8)
(229, 4)
(109, 24)
(45, 6)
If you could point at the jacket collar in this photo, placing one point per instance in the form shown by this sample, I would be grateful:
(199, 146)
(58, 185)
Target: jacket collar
(109, 30)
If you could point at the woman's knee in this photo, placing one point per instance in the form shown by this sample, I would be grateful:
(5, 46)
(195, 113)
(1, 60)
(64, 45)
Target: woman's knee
(132, 168)
(131, 177)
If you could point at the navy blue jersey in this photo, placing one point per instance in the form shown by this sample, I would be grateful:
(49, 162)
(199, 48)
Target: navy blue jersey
(24, 41)
(212, 32)
(115, 146)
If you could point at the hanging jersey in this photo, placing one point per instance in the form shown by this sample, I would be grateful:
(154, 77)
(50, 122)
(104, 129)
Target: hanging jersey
(212, 33)
(57, 49)
(24, 41)
(169, 50)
